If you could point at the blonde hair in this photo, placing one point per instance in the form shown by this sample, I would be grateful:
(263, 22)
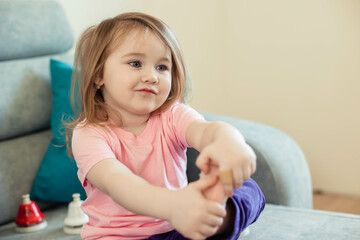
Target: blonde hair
(93, 49)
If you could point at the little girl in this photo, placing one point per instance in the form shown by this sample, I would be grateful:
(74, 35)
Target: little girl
(130, 139)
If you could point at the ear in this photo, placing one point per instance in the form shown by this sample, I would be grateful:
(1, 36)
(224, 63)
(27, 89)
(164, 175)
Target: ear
(99, 82)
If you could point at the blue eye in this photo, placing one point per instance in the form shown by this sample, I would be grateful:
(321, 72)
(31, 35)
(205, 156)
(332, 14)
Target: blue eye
(135, 64)
(162, 68)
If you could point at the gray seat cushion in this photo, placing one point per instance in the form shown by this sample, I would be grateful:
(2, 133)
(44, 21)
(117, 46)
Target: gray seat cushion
(284, 223)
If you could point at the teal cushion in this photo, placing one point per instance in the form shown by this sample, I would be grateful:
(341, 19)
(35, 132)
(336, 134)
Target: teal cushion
(57, 179)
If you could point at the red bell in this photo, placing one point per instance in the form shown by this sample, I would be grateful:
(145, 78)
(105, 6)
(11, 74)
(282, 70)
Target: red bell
(29, 218)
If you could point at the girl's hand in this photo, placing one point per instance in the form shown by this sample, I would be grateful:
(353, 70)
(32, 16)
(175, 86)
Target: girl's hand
(222, 145)
(216, 192)
(192, 214)
(229, 152)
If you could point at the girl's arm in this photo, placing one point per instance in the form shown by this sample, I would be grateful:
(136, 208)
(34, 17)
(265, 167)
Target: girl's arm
(222, 146)
(187, 209)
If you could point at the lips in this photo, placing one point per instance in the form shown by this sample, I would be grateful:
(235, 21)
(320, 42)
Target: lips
(147, 90)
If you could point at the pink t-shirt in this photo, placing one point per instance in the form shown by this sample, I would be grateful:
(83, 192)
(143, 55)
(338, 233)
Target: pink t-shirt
(157, 155)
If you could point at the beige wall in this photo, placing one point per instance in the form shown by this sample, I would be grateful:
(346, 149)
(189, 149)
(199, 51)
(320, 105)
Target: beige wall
(294, 65)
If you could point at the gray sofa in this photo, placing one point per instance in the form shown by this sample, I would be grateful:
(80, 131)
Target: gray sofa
(32, 32)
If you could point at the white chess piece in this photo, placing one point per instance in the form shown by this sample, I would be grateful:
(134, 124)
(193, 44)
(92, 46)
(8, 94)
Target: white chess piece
(76, 218)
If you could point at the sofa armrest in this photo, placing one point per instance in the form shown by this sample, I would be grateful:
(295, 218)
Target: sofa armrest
(282, 170)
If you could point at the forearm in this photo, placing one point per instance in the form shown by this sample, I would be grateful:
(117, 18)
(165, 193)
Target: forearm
(129, 190)
(186, 209)
(219, 131)
(140, 197)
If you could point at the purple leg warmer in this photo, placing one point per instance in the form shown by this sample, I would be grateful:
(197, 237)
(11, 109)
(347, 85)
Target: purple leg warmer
(248, 202)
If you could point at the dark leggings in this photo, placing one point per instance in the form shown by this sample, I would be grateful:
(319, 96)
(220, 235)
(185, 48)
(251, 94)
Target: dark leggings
(248, 202)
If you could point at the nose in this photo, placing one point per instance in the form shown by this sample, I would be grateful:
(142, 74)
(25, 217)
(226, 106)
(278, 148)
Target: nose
(150, 76)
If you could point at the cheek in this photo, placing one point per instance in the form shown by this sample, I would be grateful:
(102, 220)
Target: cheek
(169, 80)
(166, 82)
(168, 86)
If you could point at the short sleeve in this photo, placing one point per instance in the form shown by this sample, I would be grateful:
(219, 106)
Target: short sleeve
(90, 145)
(180, 118)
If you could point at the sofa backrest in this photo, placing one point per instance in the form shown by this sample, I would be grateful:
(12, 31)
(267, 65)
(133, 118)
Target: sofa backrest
(31, 32)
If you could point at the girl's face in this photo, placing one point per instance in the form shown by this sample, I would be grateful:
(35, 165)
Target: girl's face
(137, 75)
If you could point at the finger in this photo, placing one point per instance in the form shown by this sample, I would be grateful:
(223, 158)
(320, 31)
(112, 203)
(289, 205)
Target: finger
(203, 163)
(208, 231)
(217, 209)
(227, 179)
(226, 176)
(253, 166)
(213, 171)
(238, 178)
(205, 183)
(229, 190)
(214, 221)
(247, 172)
(199, 236)
(238, 184)
(252, 158)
